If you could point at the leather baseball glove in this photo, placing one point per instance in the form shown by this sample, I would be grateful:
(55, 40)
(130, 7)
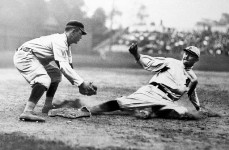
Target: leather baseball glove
(88, 88)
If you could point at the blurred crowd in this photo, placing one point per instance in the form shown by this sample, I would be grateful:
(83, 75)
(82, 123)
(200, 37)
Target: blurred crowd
(173, 41)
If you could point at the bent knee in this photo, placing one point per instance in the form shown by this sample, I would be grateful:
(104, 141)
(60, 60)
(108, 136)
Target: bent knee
(56, 76)
(43, 80)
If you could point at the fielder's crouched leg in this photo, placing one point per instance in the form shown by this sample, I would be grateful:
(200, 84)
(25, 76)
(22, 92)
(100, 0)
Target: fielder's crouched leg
(56, 77)
(47, 108)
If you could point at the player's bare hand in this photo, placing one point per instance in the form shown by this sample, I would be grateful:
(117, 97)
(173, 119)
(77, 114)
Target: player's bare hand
(134, 51)
(133, 48)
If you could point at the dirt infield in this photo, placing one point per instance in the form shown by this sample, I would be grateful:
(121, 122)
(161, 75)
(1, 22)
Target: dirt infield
(114, 131)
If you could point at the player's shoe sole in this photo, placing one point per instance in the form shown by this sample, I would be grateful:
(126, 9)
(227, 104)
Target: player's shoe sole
(30, 116)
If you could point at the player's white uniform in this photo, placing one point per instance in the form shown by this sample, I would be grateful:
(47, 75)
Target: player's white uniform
(33, 59)
(171, 75)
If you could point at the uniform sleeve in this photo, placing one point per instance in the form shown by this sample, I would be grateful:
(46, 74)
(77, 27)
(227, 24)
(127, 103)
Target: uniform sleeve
(194, 99)
(192, 88)
(152, 64)
(60, 49)
(70, 74)
(70, 55)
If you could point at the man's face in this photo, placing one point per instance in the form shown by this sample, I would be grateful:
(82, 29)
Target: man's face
(76, 36)
(189, 59)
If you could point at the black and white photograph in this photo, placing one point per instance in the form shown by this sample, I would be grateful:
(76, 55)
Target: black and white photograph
(114, 75)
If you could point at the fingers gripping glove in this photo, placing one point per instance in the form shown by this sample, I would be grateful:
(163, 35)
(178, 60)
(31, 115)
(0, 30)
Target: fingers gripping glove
(71, 113)
(83, 91)
(88, 89)
(92, 90)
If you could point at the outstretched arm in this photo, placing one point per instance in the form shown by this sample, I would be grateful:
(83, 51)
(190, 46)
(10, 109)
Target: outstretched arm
(85, 88)
(192, 89)
(194, 99)
(152, 64)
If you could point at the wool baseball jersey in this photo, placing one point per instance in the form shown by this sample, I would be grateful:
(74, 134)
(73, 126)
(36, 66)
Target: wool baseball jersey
(55, 48)
(172, 74)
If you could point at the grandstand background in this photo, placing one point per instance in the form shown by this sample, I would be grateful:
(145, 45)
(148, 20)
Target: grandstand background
(105, 43)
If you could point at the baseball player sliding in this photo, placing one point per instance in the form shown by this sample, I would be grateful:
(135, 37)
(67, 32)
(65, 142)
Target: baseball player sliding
(33, 59)
(173, 79)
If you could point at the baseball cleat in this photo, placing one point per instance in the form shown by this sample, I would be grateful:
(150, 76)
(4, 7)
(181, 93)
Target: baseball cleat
(46, 108)
(30, 116)
(190, 116)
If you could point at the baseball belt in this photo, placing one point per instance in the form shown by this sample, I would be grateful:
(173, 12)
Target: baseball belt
(160, 87)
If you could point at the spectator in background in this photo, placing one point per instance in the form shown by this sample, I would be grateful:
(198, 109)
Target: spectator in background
(209, 42)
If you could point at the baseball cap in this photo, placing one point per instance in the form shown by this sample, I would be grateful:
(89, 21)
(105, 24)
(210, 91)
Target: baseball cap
(194, 50)
(74, 23)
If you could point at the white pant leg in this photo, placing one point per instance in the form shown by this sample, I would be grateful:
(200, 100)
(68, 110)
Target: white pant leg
(54, 73)
(31, 69)
(149, 96)
(145, 96)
